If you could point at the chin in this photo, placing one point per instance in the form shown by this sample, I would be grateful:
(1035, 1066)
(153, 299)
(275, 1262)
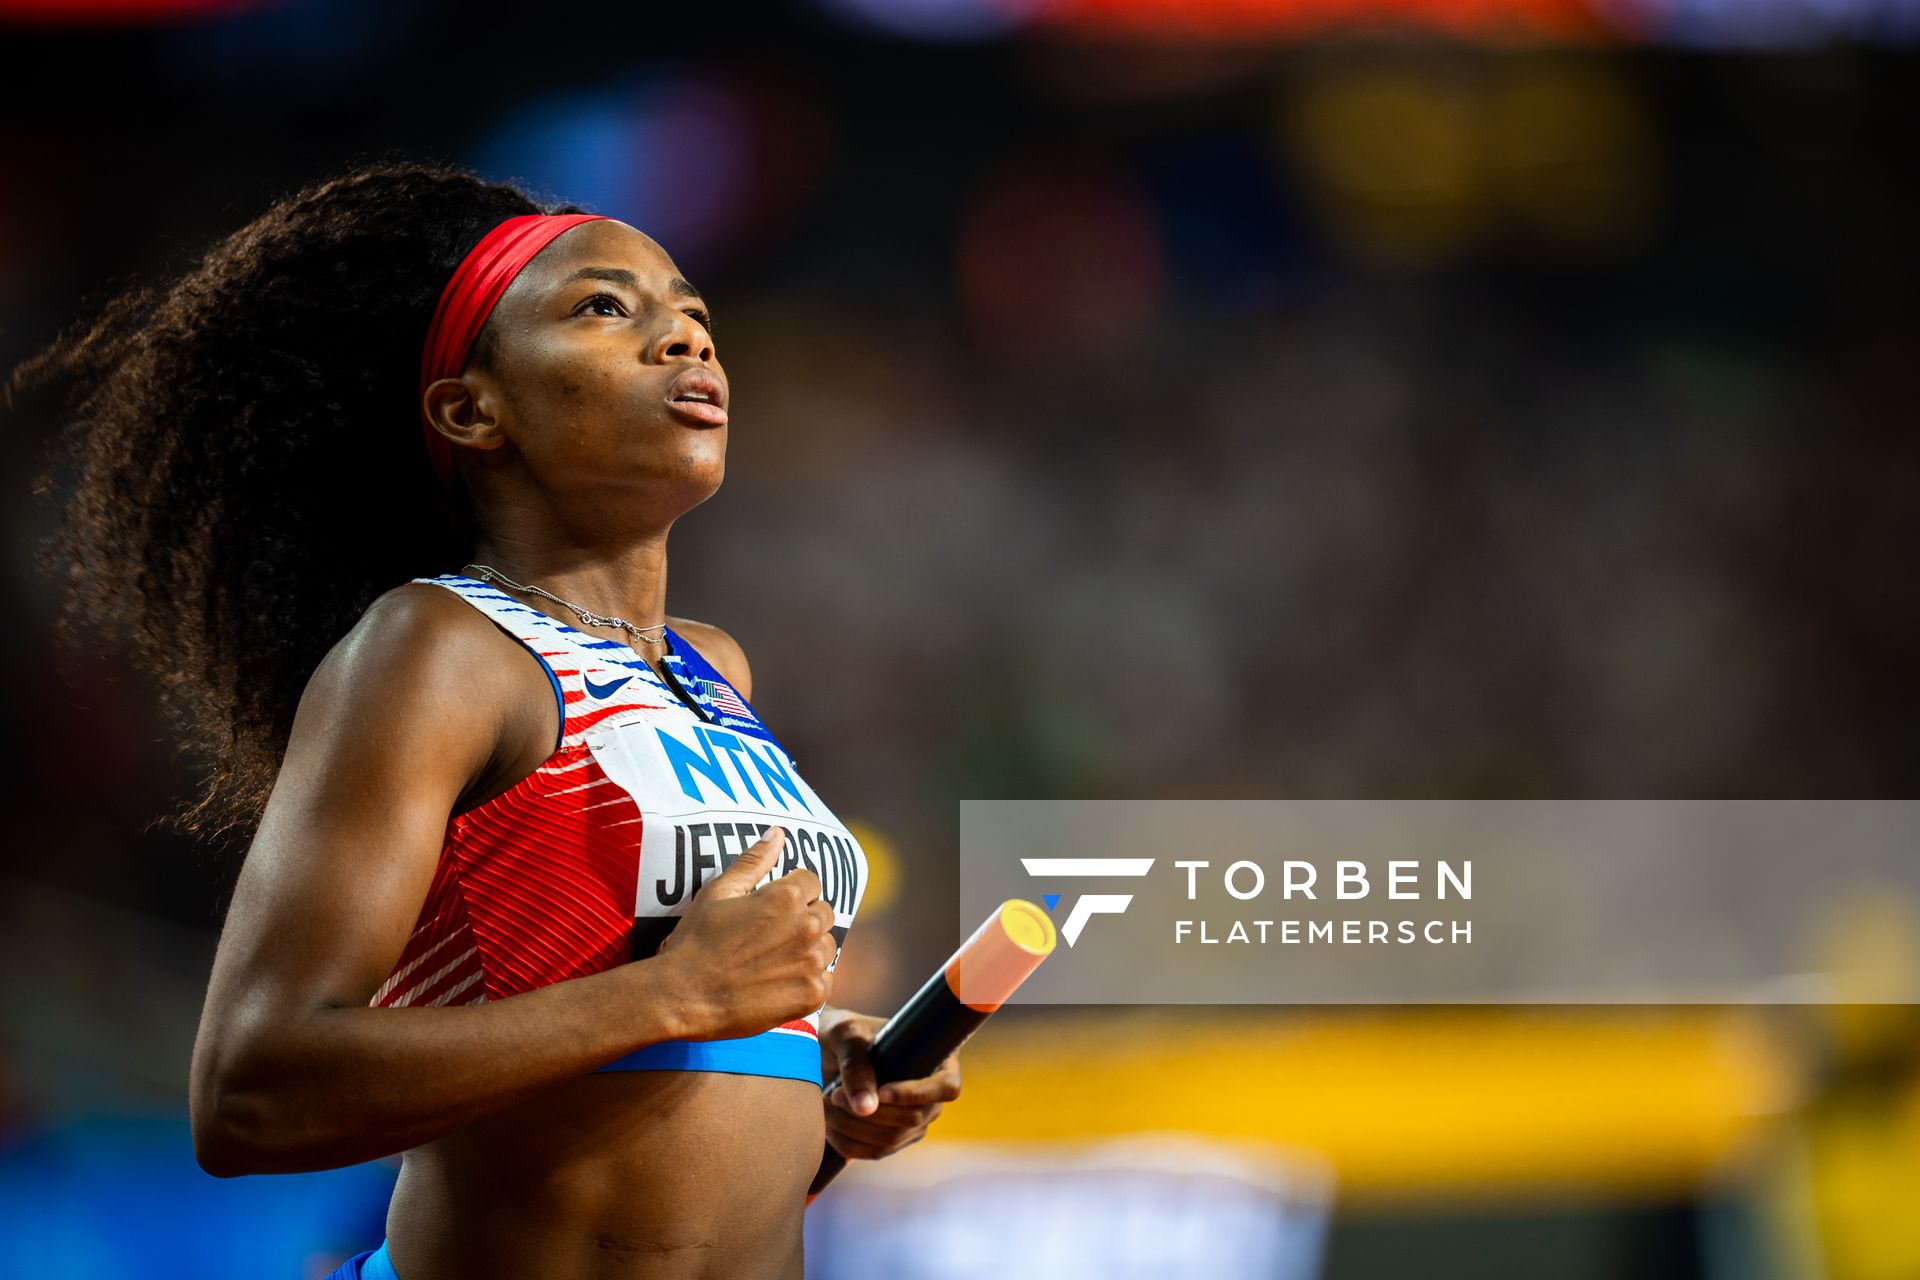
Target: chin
(711, 487)
(698, 478)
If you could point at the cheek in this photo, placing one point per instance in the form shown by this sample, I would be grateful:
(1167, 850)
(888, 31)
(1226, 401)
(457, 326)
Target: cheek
(573, 377)
(589, 412)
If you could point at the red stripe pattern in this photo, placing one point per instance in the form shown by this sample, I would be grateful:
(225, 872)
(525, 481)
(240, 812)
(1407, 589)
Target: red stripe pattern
(536, 885)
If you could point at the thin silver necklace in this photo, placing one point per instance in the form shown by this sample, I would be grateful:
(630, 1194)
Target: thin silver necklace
(588, 618)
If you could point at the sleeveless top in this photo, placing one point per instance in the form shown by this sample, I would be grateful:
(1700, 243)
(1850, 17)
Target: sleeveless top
(588, 862)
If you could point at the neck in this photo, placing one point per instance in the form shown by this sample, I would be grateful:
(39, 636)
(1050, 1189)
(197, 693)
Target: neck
(627, 581)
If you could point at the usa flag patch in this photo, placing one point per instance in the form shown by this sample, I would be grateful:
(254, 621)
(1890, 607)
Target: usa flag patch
(721, 694)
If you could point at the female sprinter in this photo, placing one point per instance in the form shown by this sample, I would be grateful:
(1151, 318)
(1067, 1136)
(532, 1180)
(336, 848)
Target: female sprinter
(381, 490)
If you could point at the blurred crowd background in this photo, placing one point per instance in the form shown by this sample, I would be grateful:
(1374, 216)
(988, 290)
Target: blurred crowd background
(1133, 398)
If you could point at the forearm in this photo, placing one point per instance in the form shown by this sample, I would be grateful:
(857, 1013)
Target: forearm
(337, 1086)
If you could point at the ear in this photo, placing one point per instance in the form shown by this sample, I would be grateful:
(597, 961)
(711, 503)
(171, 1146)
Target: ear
(465, 410)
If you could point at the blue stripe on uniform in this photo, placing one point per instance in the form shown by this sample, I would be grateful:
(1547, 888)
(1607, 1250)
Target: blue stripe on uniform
(788, 1054)
(690, 667)
(371, 1264)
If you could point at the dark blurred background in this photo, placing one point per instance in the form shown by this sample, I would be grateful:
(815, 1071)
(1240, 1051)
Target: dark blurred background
(1134, 398)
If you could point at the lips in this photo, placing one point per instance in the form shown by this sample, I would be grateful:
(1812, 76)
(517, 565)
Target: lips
(699, 397)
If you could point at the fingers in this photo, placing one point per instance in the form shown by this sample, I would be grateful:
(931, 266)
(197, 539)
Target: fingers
(855, 1149)
(942, 1086)
(899, 1118)
(856, 1091)
(738, 880)
(885, 1126)
(866, 1138)
(803, 884)
(868, 1146)
(814, 922)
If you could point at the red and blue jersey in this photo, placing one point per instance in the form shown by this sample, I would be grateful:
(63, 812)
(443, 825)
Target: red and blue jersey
(586, 863)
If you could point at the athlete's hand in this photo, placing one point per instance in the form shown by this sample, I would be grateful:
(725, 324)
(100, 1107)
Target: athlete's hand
(750, 959)
(866, 1121)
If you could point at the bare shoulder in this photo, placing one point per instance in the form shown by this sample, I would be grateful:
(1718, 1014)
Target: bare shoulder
(720, 649)
(419, 624)
(398, 720)
(423, 605)
(417, 649)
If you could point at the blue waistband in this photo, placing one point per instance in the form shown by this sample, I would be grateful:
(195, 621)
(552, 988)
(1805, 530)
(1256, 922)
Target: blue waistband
(379, 1266)
(786, 1054)
(374, 1264)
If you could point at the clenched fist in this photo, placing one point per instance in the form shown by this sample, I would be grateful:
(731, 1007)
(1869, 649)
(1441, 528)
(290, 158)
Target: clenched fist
(751, 958)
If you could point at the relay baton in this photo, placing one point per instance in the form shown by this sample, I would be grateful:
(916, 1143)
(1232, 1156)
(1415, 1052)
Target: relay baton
(937, 1020)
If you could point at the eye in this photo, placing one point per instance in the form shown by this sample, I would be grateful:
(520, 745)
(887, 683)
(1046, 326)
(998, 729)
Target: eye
(706, 321)
(597, 299)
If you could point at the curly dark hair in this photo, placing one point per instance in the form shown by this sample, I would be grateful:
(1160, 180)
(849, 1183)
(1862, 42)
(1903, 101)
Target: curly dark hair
(240, 466)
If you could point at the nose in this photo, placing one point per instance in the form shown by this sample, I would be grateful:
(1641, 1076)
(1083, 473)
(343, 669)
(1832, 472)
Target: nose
(683, 337)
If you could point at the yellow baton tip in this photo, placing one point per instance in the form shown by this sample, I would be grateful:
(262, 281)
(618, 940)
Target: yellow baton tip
(1027, 926)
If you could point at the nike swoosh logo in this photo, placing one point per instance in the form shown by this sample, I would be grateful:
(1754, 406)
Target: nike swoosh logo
(604, 690)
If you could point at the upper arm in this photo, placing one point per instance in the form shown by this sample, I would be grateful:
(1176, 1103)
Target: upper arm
(394, 724)
(725, 653)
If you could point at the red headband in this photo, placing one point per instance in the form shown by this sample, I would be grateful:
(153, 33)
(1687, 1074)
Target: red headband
(477, 283)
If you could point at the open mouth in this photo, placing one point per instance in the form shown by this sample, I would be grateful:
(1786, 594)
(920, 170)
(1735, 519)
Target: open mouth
(697, 396)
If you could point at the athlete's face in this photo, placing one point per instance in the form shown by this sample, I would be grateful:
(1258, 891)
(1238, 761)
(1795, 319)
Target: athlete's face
(604, 369)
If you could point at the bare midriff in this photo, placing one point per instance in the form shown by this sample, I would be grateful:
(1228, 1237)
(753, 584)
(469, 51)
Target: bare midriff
(693, 1175)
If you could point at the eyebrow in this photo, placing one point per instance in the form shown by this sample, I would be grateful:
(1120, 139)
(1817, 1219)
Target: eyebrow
(678, 287)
